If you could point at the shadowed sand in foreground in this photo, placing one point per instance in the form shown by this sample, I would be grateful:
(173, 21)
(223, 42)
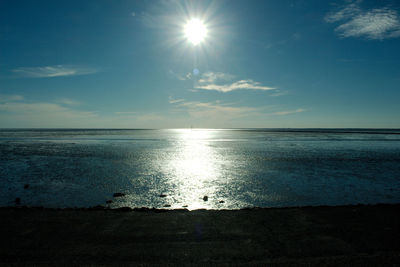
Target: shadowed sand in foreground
(316, 236)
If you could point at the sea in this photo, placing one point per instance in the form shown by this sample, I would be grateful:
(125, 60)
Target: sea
(198, 168)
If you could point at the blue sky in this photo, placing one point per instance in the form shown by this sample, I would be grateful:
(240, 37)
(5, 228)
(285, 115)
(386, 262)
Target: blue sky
(127, 64)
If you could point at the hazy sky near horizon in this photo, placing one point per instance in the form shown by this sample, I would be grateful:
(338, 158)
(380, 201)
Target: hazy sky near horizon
(128, 64)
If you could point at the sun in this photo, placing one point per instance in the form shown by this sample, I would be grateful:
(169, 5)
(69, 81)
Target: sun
(195, 31)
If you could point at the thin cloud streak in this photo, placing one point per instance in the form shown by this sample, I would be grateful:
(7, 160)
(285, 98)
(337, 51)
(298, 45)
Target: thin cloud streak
(346, 12)
(172, 100)
(16, 111)
(126, 113)
(211, 77)
(214, 109)
(239, 85)
(375, 24)
(181, 77)
(53, 71)
(195, 105)
(68, 102)
(218, 81)
(10, 98)
(42, 109)
(279, 93)
(281, 113)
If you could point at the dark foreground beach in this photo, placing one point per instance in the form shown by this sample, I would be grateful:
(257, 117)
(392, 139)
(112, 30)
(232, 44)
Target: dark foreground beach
(309, 236)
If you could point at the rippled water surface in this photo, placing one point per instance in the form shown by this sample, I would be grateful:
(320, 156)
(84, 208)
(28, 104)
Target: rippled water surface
(234, 168)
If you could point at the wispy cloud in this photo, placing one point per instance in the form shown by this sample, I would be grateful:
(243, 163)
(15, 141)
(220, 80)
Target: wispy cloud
(181, 77)
(374, 24)
(18, 111)
(41, 108)
(299, 110)
(126, 113)
(239, 85)
(279, 93)
(345, 12)
(223, 82)
(42, 114)
(53, 71)
(211, 77)
(204, 108)
(214, 110)
(68, 102)
(219, 114)
(172, 100)
(10, 98)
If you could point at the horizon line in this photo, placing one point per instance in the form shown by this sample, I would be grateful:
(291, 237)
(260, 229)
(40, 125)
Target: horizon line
(201, 128)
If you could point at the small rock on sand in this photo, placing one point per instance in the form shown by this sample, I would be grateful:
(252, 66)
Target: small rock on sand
(118, 195)
(184, 206)
(162, 195)
(221, 201)
(167, 205)
(205, 198)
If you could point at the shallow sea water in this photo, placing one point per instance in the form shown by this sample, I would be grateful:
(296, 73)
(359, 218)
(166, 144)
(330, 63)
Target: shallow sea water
(234, 168)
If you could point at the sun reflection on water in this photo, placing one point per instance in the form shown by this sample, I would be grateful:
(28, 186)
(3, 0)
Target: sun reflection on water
(195, 167)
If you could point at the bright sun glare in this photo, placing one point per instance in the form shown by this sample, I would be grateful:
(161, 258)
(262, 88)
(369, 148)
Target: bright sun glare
(195, 31)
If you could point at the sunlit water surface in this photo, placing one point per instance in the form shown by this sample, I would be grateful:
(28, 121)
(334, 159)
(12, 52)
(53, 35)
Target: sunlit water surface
(233, 168)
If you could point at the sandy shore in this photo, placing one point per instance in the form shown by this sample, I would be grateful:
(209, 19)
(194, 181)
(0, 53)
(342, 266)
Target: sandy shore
(310, 236)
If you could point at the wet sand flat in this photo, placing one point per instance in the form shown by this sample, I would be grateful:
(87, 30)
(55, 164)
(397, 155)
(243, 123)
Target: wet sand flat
(309, 236)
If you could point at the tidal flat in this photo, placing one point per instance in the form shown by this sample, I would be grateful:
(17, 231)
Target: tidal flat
(360, 235)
